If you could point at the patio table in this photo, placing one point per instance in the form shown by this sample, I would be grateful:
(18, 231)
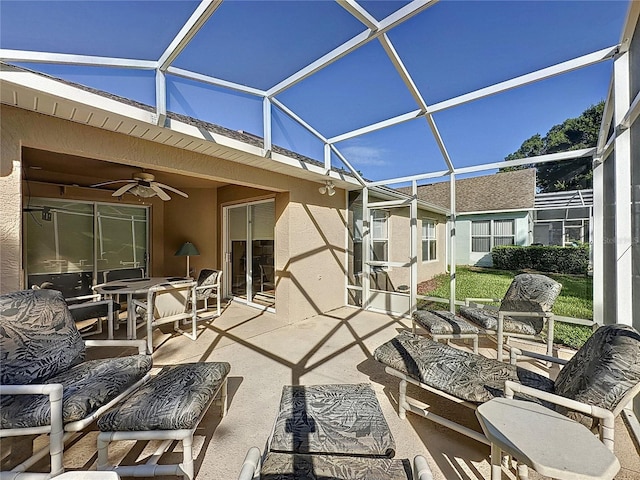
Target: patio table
(133, 286)
(550, 443)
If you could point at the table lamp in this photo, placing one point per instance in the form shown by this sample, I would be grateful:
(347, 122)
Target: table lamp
(187, 249)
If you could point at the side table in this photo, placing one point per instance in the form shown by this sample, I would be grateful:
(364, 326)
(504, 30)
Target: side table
(547, 441)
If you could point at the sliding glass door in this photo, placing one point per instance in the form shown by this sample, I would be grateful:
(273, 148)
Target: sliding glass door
(249, 252)
(75, 242)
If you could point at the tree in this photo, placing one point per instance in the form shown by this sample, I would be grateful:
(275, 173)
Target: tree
(572, 134)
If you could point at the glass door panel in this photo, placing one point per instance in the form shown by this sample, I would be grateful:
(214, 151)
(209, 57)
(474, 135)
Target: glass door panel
(249, 255)
(237, 242)
(262, 243)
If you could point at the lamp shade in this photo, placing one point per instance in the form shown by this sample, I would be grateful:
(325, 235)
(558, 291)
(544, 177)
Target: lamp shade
(187, 249)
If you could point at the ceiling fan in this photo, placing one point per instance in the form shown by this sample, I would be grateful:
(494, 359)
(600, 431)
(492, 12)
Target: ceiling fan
(144, 185)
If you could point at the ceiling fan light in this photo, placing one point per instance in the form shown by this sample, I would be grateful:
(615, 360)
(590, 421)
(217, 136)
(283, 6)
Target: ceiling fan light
(142, 191)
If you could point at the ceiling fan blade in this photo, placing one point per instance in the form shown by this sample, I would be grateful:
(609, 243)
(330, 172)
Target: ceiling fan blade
(161, 193)
(112, 181)
(171, 189)
(124, 189)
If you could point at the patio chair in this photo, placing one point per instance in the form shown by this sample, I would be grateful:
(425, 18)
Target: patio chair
(330, 431)
(523, 312)
(592, 388)
(46, 387)
(209, 285)
(86, 306)
(169, 303)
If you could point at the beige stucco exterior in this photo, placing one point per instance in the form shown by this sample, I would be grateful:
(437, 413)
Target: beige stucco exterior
(309, 227)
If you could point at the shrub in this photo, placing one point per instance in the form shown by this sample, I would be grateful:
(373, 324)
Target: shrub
(574, 260)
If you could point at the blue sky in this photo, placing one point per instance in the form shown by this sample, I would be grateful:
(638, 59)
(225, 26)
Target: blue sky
(449, 49)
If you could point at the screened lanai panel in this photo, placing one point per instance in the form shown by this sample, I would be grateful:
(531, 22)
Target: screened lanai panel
(436, 38)
(249, 48)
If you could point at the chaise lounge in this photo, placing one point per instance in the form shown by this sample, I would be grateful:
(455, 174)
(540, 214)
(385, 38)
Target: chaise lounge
(592, 388)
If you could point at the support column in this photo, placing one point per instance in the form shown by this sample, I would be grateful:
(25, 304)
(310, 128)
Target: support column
(413, 285)
(452, 244)
(623, 233)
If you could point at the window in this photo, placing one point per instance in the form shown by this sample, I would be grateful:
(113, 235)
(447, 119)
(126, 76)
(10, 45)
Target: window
(428, 240)
(486, 234)
(379, 236)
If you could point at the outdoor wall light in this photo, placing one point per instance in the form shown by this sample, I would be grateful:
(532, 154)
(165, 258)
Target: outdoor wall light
(328, 188)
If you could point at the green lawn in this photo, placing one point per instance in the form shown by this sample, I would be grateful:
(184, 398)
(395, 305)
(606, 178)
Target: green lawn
(575, 299)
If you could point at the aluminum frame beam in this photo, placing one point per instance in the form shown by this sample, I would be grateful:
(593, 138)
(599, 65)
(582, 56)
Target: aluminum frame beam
(360, 13)
(393, 20)
(72, 59)
(199, 77)
(191, 27)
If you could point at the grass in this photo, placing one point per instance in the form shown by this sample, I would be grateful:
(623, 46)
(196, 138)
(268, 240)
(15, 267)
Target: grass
(575, 299)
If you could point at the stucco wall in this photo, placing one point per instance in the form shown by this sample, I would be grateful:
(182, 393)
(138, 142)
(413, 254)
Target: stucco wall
(309, 228)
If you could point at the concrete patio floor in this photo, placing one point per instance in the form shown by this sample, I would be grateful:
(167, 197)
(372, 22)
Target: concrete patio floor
(266, 353)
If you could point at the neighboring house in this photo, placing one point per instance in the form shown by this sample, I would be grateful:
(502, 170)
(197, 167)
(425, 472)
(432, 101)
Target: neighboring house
(491, 210)
(263, 216)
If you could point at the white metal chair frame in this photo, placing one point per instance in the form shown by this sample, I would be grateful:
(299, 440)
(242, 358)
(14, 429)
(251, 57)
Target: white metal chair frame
(168, 303)
(604, 417)
(59, 433)
(216, 290)
(503, 337)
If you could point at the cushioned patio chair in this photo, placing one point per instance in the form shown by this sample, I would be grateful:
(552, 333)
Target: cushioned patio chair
(209, 285)
(593, 387)
(169, 303)
(46, 387)
(330, 431)
(523, 312)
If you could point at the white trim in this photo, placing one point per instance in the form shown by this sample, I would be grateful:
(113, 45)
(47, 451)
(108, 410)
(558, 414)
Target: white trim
(360, 13)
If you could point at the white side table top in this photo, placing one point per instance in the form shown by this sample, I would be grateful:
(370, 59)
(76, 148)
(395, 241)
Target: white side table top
(547, 441)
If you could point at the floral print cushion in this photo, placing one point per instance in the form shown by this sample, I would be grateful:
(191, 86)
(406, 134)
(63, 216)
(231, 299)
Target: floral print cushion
(603, 370)
(464, 375)
(530, 292)
(488, 319)
(442, 322)
(38, 337)
(287, 466)
(86, 387)
(326, 419)
(206, 277)
(172, 400)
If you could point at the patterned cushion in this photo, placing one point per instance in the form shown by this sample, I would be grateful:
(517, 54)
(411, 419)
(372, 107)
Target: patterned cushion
(286, 466)
(473, 378)
(326, 419)
(442, 322)
(603, 370)
(527, 293)
(488, 319)
(87, 387)
(174, 399)
(206, 277)
(38, 337)
(531, 293)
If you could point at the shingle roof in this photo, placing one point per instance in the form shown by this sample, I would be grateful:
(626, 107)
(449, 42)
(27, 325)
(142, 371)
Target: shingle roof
(502, 191)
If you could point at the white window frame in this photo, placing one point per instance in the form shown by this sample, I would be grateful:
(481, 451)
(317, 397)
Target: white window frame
(384, 239)
(492, 236)
(426, 237)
